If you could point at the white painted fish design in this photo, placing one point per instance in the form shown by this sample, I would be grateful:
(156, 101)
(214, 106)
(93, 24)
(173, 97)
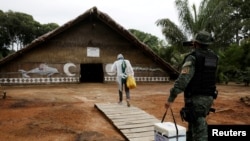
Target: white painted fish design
(43, 69)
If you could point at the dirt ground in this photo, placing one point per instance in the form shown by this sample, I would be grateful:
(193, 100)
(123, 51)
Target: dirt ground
(67, 112)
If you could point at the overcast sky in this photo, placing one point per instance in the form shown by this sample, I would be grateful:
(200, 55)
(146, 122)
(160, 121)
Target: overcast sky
(131, 14)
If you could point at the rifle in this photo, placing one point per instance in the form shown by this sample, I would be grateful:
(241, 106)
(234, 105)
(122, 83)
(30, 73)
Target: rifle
(187, 43)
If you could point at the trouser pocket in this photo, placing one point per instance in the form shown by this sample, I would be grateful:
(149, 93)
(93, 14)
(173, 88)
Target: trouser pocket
(188, 114)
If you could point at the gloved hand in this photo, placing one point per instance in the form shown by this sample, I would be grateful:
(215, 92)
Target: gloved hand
(167, 105)
(124, 76)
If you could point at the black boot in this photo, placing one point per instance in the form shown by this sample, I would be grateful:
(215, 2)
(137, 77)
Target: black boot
(120, 97)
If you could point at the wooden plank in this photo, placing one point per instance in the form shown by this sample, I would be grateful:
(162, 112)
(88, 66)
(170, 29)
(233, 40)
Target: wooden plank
(111, 105)
(119, 110)
(130, 118)
(134, 123)
(125, 114)
(140, 129)
(140, 134)
(150, 138)
(115, 111)
(125, 122)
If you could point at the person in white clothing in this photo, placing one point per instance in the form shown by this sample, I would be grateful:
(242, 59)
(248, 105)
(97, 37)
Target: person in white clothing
(123, 68)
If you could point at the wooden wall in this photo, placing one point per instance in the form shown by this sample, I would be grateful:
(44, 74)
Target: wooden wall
(64, 53)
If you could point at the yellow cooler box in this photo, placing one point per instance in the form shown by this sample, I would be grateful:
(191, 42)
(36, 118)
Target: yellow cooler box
(166, 131)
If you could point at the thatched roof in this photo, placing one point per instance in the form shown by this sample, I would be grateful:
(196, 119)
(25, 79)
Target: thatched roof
(109, 22)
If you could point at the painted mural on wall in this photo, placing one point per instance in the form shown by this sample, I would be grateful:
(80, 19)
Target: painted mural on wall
(48, 75)
(112, 77)
(46, 72)
(66, 69)
(43, 69)
(135, 68)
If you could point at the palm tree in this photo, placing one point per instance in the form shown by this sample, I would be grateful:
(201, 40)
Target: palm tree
(226, 20)
(212, 16)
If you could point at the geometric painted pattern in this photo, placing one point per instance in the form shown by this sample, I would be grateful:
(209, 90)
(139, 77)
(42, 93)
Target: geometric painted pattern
(143, 79)
(55, 80)
(39, 80)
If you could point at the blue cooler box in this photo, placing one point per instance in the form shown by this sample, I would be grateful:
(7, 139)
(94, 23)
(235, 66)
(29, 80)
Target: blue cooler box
(166, 131)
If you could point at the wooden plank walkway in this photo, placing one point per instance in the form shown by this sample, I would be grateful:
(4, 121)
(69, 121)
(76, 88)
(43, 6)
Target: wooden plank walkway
(134, 123)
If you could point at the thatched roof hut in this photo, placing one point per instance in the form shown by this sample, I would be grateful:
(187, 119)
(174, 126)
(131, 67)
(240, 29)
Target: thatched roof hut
(82, 50)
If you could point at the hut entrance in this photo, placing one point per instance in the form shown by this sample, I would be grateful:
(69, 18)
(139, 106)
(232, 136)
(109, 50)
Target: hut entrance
(92, 73)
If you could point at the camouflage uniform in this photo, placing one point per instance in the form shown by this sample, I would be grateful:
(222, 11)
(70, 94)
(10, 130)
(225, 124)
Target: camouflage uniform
(200, 103)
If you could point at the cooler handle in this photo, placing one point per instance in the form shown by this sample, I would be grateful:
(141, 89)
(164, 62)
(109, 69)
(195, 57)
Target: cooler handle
(173, 119)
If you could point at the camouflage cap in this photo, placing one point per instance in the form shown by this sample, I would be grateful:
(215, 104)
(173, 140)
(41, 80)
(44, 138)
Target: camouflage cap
(203, 37)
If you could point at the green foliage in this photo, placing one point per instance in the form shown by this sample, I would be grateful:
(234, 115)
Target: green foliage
(4, 40)
(44, 28)
(19, 29)
(227, 20)
(233, 55)
(168, 53)
(245, 61)
(172, 32)
(150, 40)
(146, 38)
(171, 54)
(234, 63)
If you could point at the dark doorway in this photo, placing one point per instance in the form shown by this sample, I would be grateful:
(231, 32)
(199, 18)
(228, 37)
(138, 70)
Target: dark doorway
(92, 73)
